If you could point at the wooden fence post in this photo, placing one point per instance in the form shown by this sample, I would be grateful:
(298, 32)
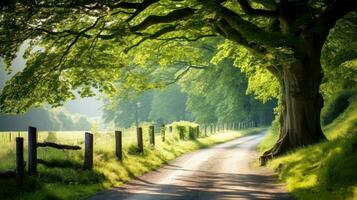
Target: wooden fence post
(152, 135)
(118, 145)
(139, 133)
(163, 133)
(191, 134)
(198, 131)
(32, 150)
(88, 151)
(19, 160)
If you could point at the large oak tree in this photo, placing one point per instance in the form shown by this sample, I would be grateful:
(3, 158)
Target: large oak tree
(78, 45)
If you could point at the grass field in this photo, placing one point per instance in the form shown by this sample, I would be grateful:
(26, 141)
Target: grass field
(323, 171)
(71, 182)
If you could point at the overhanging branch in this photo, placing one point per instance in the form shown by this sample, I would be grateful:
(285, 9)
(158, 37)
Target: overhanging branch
(171, 17)
(252, 32)
(257, 12)
(228, 32)
(127, 5)
(185, 71)
(153, 36)
(186, 38)
(335, 11)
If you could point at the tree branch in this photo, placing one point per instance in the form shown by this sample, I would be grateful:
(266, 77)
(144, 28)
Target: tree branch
(144, 5)
(187, 39)
(185, 71)
(228, 32)
(257, 12)
(64, 33)
(171, 17)
(58, 146)
(335, 11)
(137, 6)
(91, 4)
(270, 4)
(252, 32)
(77, 38)
(153, 36)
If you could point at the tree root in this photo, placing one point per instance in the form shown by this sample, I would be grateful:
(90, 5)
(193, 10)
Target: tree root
(280, 147)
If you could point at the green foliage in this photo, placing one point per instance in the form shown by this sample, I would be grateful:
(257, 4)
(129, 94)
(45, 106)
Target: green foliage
(181, 131)
(112, 48)
(263, 84)
(161, 106)
(134, 150)
(125, 112)
(339, 57)
(168, 105)
(270, 138)
(218, 94)
(184, 129)
(191, 133)
(335, 106)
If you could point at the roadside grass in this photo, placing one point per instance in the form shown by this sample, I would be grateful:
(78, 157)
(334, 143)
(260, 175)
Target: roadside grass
(270, 138)
(327, 170)
(70, 181)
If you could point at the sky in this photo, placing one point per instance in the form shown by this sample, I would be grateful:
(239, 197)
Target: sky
(91, 107)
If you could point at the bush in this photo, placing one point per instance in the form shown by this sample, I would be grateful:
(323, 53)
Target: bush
(185, 129)
(181, 131)
(191, 133)
(335, 107)
(133, 150)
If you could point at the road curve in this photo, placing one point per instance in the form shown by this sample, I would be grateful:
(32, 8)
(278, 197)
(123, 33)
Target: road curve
(219, 172)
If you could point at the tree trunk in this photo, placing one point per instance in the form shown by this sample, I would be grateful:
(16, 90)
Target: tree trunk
(301, 103)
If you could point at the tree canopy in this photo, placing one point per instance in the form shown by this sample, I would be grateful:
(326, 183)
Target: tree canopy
(106, 45)
(96, 40)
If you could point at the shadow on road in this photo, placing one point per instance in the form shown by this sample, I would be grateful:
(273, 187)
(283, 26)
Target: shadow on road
(205, 185)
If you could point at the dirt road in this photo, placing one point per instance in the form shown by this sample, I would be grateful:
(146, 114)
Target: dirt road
(219, 172)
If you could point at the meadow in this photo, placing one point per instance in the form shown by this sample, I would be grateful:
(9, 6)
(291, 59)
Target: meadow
(67, 179)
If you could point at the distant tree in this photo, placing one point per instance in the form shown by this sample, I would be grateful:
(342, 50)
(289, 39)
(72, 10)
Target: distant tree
(82, 123)
(218, 94)
(169, 105)
(125, 111)
(65, 121)
(37, 117)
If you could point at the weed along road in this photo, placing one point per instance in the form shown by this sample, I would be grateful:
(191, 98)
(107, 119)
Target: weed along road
(219, 172)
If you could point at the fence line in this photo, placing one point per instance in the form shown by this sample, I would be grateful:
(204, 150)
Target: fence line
(89, 142)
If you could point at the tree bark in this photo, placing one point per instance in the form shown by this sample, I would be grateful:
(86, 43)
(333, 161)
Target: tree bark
(301, 101)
